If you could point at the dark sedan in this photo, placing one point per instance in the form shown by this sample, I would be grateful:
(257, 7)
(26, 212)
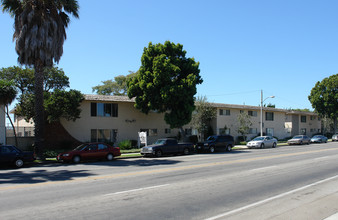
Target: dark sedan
(90, 151)
(14, 156)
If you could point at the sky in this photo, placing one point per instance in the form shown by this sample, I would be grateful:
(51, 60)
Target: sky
(280, 47)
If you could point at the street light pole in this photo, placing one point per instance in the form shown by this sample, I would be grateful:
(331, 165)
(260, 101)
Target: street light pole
(261, 124)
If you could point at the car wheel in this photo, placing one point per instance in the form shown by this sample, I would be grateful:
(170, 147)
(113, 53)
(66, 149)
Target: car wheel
(76, 159)
(110, 157)
(262, 146)
(229, 148)
(308, 143)
(18, 163)
(301, 143)
(274, 145)
(186, 151)
(158, 153)
(212, 149)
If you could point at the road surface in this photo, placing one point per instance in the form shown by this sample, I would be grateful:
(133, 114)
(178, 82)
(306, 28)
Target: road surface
(291, 182)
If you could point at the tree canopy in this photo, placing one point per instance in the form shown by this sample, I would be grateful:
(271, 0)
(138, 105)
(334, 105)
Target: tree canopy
(202, 116)
(117, 87)
(324, 98)
(58, 103)
(166, 82)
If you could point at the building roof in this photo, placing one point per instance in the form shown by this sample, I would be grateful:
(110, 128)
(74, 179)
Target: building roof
(109, 98)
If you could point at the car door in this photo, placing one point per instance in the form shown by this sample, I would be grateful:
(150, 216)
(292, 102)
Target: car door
(7, 154)
(102, 150)
(90, 152)
(268, 141)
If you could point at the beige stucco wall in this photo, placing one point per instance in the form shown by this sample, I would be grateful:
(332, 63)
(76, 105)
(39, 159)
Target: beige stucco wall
(283, 125)
(2, 125)
(128, 123)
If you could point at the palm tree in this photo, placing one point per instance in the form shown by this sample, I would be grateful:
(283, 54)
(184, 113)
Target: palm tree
(39, 31)
(8, 93)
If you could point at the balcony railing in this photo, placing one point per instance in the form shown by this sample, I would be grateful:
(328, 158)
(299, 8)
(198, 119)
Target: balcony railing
(20, 132)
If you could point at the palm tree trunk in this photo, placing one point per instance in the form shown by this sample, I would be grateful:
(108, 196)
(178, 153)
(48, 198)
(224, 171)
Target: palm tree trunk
(39, 110)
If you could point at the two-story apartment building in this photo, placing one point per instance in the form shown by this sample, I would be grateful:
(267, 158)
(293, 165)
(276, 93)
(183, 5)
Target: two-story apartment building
(280, 123)
(114, 118)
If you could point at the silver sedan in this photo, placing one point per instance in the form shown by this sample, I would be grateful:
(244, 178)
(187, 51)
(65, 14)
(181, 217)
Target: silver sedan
(262, 142)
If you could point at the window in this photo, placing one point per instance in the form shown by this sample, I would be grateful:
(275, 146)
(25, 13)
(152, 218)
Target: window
(303, 118)
(224, 131)
(167, 131)
(252, 113)
(253, 131)
(303, 131)
(102, 146)
(241, 111)
(104, 109)
(153, 132)
(269, 131)
(312, 118)
(103, 135)
(224, 112)
(269, 116)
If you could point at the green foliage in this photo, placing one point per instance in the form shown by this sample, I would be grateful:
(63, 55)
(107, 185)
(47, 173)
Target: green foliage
(202, 116)
(324, 98)
(127, 144)
(166, 82)
(8, 92)
(117, 87)
(244, 121)
(57, 101)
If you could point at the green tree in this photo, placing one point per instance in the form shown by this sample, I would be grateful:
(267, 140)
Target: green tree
(324, 98)
(244, 121)
(8, 93)
(166, 82)
(55, 84)
(117, 87)
(40, 31)
(202, 116)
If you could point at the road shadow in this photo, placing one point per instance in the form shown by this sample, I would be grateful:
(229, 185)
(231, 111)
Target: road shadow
(40, 176)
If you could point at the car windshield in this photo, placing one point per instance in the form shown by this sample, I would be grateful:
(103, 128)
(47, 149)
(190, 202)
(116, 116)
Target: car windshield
(80, 147)
(297, 137)
(258, 139)
(211, 138)
(160, 142)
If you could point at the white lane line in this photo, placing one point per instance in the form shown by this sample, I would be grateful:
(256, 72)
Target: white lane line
(263, 169)
(270, 199)
(135, 190)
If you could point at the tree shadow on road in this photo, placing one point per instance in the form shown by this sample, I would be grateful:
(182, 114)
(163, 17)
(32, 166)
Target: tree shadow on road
(40, 176)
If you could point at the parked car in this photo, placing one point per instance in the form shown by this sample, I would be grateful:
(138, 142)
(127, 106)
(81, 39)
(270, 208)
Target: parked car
(262, 142)
(318, 139)
(216, 142)
(299, 139)
(13, 156)
(90, 151)
(335, 137)
(167, 146)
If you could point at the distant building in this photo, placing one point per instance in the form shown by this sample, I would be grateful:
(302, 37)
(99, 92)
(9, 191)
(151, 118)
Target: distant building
(114, 119)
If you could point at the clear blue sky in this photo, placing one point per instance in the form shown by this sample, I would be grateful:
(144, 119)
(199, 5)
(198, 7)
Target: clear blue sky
(282, 47)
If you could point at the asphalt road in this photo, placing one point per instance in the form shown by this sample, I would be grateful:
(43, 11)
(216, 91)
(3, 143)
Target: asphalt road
(291, 182)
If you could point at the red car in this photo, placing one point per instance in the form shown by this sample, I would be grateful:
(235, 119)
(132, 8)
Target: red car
(90, 151)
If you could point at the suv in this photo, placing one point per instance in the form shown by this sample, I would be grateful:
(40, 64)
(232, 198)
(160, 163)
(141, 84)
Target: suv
(216, 142)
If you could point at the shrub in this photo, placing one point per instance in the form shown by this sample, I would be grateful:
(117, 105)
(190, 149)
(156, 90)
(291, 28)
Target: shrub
(127, 144)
